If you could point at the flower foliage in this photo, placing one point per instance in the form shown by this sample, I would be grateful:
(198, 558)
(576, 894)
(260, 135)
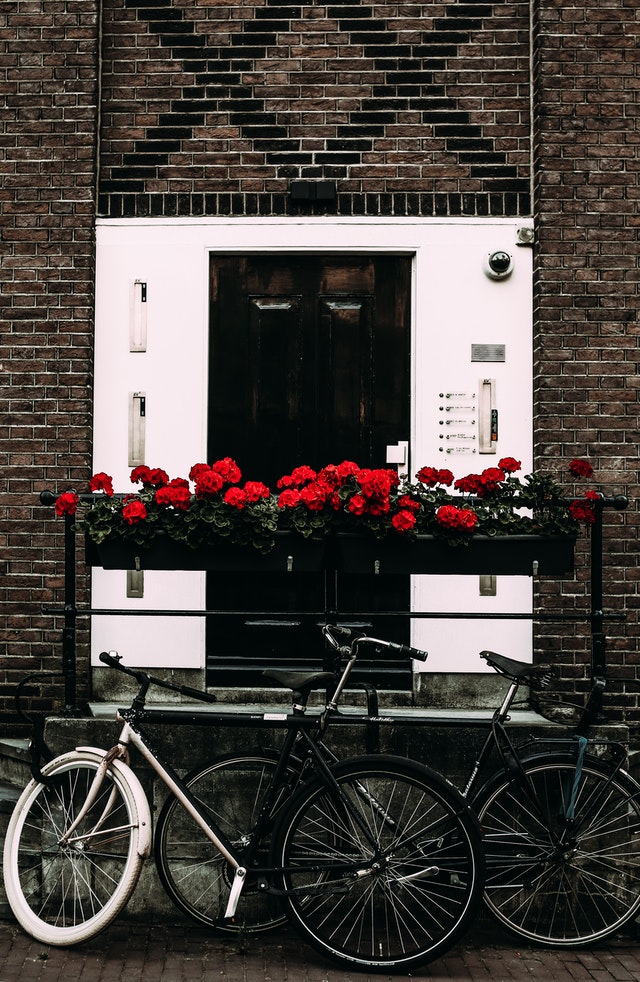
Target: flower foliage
(215, 505)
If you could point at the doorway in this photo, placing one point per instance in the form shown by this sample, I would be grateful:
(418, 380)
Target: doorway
(309, 364)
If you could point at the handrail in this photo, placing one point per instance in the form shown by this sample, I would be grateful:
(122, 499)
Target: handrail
(596, 616)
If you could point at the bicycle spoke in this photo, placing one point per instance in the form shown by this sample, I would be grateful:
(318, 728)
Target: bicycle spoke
(568, 883)
(404, 879)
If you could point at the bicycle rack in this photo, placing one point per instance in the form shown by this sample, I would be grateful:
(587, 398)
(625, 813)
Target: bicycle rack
(596, 616)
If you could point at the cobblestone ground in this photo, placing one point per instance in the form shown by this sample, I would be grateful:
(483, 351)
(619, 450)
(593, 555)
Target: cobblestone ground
(135, 951)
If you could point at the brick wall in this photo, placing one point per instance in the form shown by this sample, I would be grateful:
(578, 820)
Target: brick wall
(411, 109)
(587, 168)
(47, 180)
(215, 108)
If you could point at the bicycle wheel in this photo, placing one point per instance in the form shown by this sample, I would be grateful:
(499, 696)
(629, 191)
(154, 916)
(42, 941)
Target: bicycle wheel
(62, 891)
(192, 871)
(558, 883)
(384, 873)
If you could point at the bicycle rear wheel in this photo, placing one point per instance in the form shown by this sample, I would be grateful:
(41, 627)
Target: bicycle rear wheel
(64, 892)
(385, 872)
(194, 874)
(552, 882)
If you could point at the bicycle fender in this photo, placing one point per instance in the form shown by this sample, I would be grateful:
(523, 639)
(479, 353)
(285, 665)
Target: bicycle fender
(127, 775)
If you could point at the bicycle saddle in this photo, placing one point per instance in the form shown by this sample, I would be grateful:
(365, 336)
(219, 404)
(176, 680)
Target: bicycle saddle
(517, 671)
(299, 681)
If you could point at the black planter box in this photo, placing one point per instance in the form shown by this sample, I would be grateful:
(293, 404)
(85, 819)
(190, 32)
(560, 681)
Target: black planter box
(510, 555)
(290, 554)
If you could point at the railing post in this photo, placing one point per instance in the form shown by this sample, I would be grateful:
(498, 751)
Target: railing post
(598, 637)
(70, 619)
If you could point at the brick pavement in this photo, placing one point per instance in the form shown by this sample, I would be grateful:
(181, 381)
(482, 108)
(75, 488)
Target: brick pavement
(137, 951)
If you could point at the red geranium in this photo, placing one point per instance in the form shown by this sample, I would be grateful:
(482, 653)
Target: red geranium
(197, 471)
(298, 477)
(510, 465)
(209, 484)
(255, 490)
(152, 477)
(314, 496)
(430, 476)
(235, 497)
(580, 468)
(228, 470)
(101, 482)
(471, 484)
(404, 520)
(67, 503)
(174, 495)
(582, 512)
(459, 519)
(289, 498)
(134, 511)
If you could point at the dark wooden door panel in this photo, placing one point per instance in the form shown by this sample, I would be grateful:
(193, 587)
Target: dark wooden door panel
(309, 364)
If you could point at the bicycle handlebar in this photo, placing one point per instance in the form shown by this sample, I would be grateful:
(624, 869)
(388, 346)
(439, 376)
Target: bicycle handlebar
(354, 639)
(144, 680)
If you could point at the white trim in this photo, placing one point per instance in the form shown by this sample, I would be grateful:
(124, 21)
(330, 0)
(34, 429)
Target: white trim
(453, 302)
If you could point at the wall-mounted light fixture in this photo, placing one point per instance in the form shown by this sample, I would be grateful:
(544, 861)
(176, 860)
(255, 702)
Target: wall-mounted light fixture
(138, 316)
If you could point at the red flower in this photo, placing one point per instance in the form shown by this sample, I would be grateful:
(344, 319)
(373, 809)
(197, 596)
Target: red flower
(209, 484)
(197, 471)
(289, 498)
(67, 503)
(404, 520)
(228, 470)
(298, 477)
(175, 496)
(346, 470)
(471, 484)
(491, 479)
(101, 482)
(357, 505)
(406, 502)
(134, 511)
(255, 490)
(430, 476)
(510, 465)
(580, 468)
(314, 496)
(152, 477)
(235, 497)
(459, 519)
(582, 512)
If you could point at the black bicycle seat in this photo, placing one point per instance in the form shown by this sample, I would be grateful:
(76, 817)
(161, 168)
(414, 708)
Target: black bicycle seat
(299, 681)
(517, 671)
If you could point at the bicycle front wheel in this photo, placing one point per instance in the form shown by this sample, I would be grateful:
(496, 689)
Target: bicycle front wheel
(66, 885)
(554, 881)
(384, 871)
(196, 876)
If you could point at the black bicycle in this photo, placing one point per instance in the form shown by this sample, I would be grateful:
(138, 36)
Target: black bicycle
(560, 822)
(376, 859)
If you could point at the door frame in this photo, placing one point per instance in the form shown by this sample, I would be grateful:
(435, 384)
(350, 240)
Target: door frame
(178, 250)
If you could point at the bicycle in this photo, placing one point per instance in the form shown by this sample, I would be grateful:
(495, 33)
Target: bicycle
(377, 860)
(560, 826)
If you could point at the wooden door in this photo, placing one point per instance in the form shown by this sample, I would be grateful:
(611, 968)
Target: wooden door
(309, 364)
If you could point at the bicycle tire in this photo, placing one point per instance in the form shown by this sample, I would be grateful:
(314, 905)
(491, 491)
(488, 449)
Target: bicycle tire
(393, 904)
(576, 893)
(194, 874)
(66, 894)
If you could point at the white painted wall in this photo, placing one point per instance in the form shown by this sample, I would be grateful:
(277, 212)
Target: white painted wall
(455, 305)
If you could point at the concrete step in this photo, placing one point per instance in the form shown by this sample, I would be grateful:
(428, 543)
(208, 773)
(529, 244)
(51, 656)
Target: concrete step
(15, 760)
